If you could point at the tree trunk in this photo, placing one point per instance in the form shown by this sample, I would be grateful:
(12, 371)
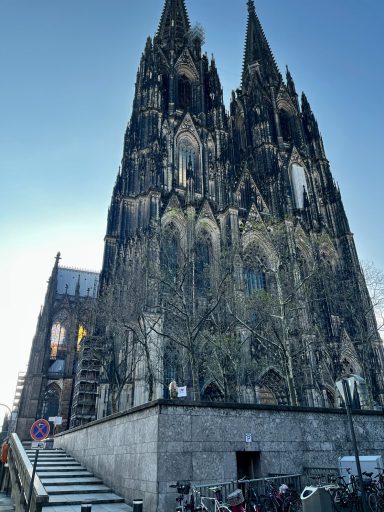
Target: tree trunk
(114, 401)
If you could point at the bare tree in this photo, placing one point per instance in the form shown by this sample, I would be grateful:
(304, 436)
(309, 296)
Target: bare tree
(187, 312)
(275, 317)
(374, 278)
(113, 346)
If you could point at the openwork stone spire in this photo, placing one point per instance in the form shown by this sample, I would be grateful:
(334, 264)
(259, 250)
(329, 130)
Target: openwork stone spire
(174, 22)
(257, 51)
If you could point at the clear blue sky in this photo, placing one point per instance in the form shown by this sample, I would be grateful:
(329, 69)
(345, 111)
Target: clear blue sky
(67, 73)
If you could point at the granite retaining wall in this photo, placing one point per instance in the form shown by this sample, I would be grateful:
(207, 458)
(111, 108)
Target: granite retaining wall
(139, 453)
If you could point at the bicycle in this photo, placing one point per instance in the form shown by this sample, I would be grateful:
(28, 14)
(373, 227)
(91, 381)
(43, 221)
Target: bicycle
(285, 499)
(183, 488)
(190, 499)
(345, 496)
(252, 501)
(375, 491)
(214, 504)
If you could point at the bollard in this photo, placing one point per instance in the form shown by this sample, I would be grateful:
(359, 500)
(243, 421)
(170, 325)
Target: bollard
(137, 505)
(86, 507)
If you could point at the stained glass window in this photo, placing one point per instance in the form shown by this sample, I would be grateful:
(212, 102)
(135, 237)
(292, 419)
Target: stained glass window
(57, 338)
(81, 334)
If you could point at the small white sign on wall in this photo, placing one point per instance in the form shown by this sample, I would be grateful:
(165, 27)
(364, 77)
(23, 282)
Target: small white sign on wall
(182, 392)
(57, 420)
(37, 445)
(248, 438)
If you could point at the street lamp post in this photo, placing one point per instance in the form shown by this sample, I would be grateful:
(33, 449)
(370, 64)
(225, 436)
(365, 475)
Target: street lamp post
(348, 406)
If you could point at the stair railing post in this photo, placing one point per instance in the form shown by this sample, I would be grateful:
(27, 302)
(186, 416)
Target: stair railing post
(32, 481)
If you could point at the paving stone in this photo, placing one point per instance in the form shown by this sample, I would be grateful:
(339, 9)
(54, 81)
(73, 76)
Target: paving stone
(107, 507)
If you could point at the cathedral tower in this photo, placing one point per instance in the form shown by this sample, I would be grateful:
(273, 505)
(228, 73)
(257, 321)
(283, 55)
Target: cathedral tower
(229, 265)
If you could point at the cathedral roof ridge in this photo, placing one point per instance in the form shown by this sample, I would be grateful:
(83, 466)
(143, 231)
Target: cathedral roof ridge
(78, 269)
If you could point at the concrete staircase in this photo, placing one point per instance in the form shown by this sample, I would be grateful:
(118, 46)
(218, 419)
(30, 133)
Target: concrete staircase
(6, 503)
(70, 485)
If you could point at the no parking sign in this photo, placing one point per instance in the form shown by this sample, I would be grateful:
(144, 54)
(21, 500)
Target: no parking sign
(40, 430)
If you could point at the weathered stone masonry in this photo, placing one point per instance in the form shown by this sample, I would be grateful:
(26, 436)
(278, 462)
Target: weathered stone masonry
(139, 453)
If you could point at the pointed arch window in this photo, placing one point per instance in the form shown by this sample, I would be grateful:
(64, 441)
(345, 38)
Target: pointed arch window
(81, 334)
(202, 265)
(285, 125)
(254, 279)
(184, 91)
(298, 184)
(58, 333)
(51, 402)
(169, 254)
(189, 162)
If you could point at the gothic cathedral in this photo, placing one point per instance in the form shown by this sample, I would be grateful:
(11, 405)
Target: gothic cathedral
(229, 266)
(230, 273)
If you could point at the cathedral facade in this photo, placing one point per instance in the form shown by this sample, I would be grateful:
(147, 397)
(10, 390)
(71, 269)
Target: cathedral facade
(229, 260)
(229, 266)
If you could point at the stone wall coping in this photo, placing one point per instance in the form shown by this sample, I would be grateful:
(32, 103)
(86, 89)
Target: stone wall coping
(158, 404)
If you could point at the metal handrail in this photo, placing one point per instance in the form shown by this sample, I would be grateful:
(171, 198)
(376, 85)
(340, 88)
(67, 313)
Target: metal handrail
(21, 474)
(257, 483)
(320, 475)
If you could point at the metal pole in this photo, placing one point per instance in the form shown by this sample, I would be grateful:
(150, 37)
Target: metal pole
(137, 505)
(348, 406)
(32, 480)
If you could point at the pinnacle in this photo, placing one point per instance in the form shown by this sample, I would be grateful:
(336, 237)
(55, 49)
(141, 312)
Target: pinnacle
(251, 6)
(257, 49)
(174, 21)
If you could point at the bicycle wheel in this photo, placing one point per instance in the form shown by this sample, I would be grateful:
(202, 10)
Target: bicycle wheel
(341, 501)
(295, 506)
(372, 502)
(380, 502)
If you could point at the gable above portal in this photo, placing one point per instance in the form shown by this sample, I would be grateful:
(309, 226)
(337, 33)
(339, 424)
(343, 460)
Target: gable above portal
(186, 66)
(187, 125)
(296, 158)
(206, 213)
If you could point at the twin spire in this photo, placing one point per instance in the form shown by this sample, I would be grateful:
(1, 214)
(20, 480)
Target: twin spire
(174, 25)
(174, 22)
(257, 50)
